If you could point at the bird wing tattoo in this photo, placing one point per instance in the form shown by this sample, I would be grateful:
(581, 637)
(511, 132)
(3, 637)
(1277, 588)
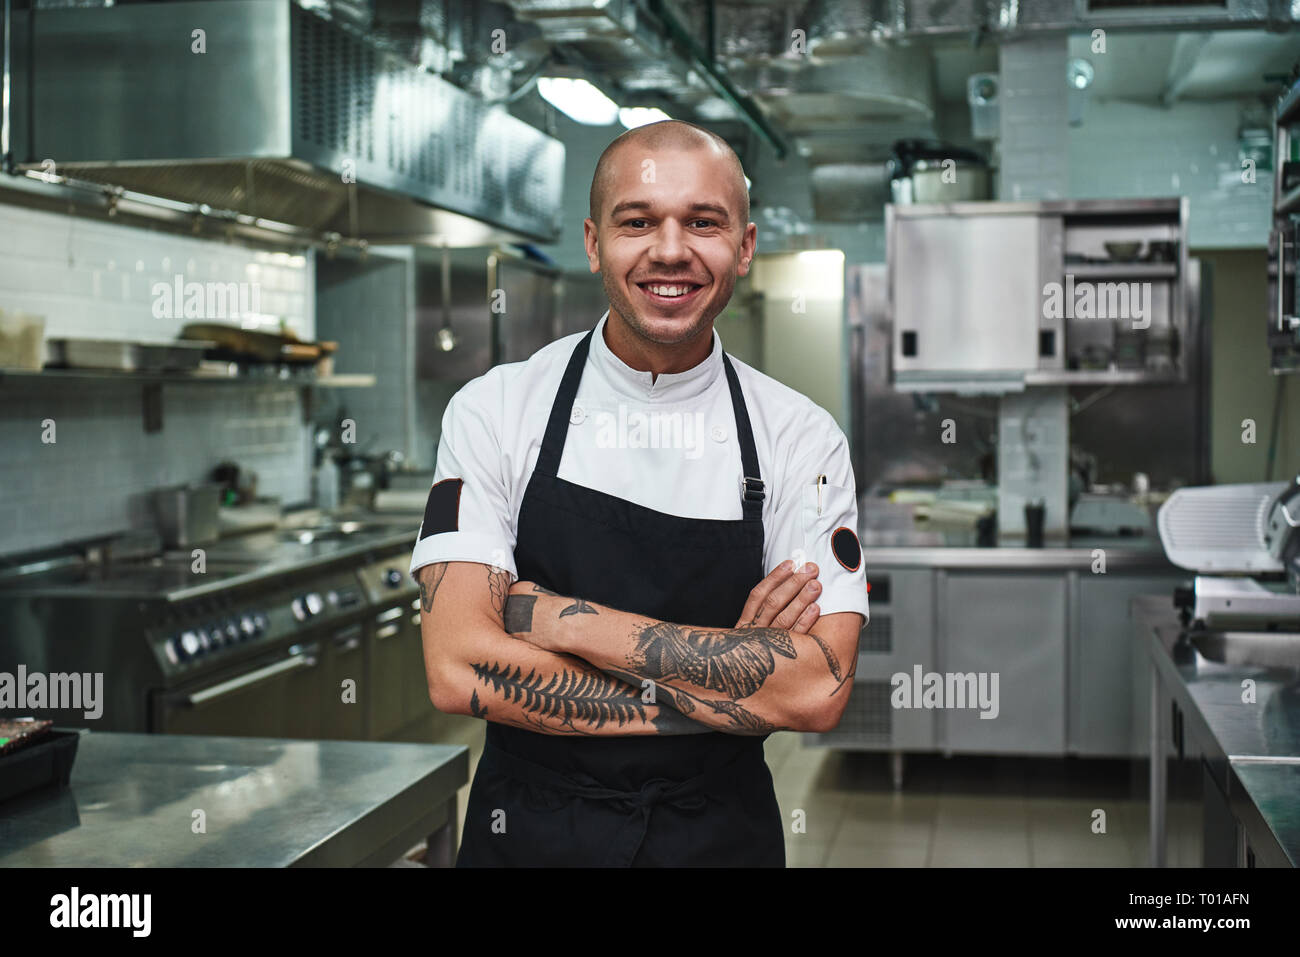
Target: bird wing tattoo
(734, 662)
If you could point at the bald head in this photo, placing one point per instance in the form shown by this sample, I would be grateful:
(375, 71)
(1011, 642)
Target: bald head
(665, 135)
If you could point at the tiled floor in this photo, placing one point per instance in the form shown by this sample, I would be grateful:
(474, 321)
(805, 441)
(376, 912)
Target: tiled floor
(951, 812)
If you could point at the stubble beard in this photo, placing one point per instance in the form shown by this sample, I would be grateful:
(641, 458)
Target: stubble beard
(619, 303)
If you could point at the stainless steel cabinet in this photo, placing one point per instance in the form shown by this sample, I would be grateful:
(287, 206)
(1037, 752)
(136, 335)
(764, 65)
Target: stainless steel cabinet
(966, 294)
(1014, 626)
(899, 636)
(1071, 679)
(1107, 692)
(995, 296)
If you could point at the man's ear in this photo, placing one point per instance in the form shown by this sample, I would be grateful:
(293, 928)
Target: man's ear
(589, 241)
(747, 247)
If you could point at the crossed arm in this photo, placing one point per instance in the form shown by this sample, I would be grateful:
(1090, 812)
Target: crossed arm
(533, 659)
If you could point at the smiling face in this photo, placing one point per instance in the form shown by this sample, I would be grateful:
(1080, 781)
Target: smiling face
(672, 237)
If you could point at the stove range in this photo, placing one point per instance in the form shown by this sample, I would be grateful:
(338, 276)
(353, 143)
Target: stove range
(306, 633)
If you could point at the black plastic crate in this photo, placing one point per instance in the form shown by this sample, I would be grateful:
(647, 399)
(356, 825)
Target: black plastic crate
(47, 763)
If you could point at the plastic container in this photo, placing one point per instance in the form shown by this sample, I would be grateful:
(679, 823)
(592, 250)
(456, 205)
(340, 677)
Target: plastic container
(46, 764)
(22, 341)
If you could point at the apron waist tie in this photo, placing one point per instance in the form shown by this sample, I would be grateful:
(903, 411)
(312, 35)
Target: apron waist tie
(687, 795)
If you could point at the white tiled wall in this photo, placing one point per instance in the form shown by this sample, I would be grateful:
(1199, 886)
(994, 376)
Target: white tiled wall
(95, 280)
(1133, 149)
(1035, 164)
(363, 306)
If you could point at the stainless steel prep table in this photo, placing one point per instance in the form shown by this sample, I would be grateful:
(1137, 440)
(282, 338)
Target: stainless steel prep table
(1250, 753)
(268, 802)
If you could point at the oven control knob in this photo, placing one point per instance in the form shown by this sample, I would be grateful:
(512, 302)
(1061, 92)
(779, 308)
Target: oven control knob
(393, 578)
(299, 609)
(315, 604)
(190, 644)
(174, 650)
(216, 637)
(232, 630)
(247, 627)
(261, 622)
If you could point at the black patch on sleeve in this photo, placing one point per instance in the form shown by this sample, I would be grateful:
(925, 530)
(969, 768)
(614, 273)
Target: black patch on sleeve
(848, 552)
(442, 510)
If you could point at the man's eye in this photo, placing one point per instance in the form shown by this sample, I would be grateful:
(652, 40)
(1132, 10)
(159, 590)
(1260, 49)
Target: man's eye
(634, 223)
(707, 223)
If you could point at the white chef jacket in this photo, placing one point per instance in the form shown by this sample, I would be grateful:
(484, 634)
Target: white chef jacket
(669, 444)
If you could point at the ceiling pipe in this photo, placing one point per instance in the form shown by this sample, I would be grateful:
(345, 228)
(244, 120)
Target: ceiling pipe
(1187, 50)
(702, 62)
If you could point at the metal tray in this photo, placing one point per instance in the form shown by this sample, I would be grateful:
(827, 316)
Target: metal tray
(177, 356)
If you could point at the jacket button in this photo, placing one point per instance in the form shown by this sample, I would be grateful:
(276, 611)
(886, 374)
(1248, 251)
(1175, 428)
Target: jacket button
(719, 434)
(577, 415)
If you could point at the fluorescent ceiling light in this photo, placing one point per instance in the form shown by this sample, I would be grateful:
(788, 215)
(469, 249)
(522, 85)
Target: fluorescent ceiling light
(578, 99)
(634, 116)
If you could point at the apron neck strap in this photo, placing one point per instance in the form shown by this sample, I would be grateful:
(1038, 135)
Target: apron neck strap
(752, 490)
(557, 427)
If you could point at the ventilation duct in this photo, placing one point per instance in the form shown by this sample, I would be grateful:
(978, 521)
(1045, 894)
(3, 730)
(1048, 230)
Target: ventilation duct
(278, 114)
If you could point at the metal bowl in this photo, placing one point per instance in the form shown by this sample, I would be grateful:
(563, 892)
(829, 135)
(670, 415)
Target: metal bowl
(1123, 252)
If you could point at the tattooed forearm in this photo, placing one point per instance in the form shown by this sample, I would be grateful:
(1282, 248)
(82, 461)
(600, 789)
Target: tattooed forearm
(743, 721)
(830, 656)
(734, 661)
(747, 721)
(430, 577)
(519, 614)
(572, 698)
(499, 587)
(579, 607)
(845, 680)
(543, 590)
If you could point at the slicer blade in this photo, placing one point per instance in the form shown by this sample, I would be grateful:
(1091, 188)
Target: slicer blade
(1220, 528)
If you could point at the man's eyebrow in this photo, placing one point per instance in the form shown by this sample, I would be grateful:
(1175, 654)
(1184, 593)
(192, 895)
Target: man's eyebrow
(640, 204)
(710, 208)
(628, 204)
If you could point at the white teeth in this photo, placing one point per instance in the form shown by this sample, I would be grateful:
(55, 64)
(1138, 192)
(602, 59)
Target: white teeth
(669, 290)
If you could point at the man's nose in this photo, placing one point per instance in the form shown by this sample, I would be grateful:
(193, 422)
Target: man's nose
(669, 244)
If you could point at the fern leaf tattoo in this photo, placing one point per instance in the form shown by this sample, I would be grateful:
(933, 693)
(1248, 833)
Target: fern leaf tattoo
(591, 699)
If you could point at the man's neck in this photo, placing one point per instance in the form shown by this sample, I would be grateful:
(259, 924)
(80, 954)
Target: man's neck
(655, 357)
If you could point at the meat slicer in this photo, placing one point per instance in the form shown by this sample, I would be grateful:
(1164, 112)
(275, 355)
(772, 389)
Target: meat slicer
(1243, 541)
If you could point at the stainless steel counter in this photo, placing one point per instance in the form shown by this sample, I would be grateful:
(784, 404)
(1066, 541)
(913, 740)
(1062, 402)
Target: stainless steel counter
(267, 803)
(231, 562)
(954, 549)
(1254, 753)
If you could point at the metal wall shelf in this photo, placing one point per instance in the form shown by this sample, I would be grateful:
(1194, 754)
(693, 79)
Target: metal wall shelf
(348, 380)
(151, 385)
(1123, 270)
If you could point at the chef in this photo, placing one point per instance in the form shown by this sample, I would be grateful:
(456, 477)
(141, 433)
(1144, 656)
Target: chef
(638, 557)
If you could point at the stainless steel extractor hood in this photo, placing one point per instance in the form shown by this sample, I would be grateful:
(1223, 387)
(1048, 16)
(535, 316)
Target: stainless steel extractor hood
(274, 112)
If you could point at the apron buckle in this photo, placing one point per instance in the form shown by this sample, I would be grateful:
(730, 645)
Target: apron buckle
(751, 489)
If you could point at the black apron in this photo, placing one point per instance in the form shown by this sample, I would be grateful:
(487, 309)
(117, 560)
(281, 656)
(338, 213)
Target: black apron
(643, 800)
